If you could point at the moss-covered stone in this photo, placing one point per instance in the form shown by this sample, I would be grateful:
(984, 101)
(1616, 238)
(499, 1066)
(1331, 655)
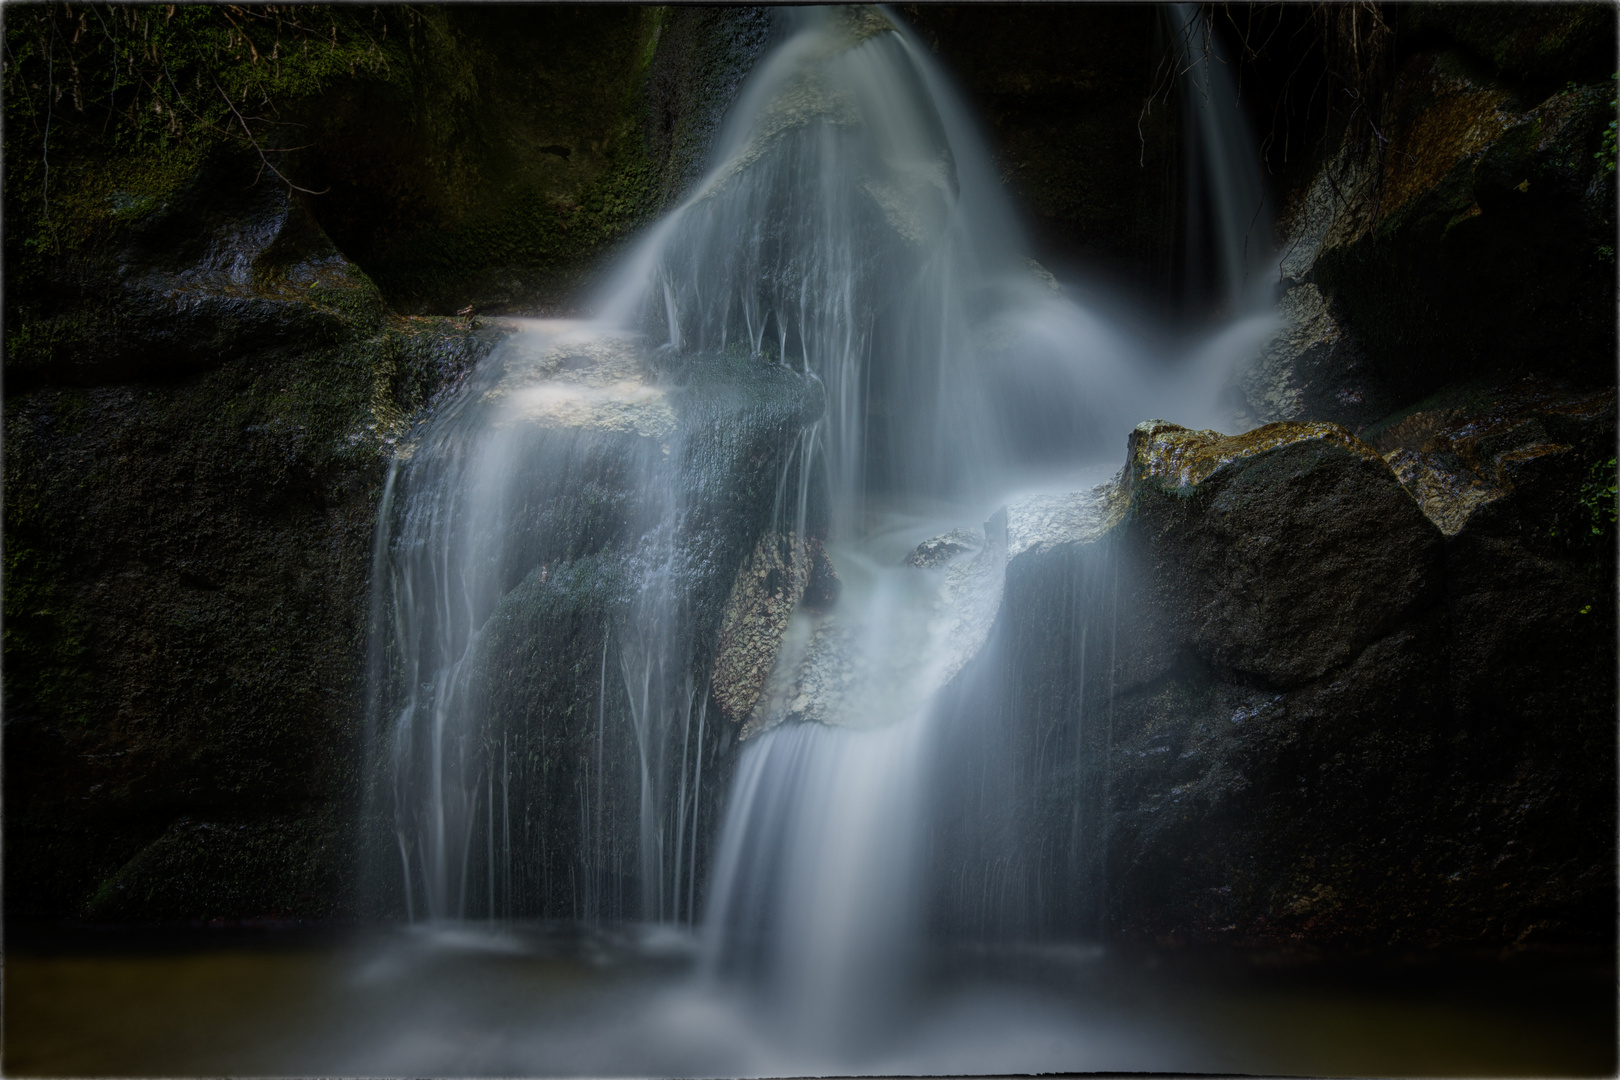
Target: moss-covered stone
(1238, 701)
(192, 463)
(614, 503)
(528, 145)
(203, 392)
(186, 578)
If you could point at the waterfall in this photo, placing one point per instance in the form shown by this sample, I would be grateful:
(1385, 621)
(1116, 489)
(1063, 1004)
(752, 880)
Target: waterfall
(1229, 218)
(852, 245)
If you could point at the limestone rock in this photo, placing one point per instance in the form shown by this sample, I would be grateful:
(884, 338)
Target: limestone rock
(1311, 368)
(823, 668)
(1456, 461)
(1477, 239)
(768, 588)
(1040, 522)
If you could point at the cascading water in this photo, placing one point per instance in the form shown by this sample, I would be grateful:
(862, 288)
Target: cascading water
(853, 244)
(1229, 220)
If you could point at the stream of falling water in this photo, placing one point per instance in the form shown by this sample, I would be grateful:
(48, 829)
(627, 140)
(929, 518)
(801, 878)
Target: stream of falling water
(851, 234)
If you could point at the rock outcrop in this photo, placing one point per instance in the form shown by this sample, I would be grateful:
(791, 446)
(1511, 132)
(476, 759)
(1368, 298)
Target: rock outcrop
(638, 554)
(1254, 692)
(191, 483)
(527, 145)
(1473, 235)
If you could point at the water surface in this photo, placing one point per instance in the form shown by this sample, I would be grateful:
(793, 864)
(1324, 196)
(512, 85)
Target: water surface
(563, 1000)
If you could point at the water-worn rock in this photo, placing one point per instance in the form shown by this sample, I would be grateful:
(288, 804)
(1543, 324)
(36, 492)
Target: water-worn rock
(521, 146)
(219, 268)
(641, 553)
(1261, 696)
(1279, 554)
(936, 551)
(768, 589)
(826, 666)
(1312, 368)
(204, 390)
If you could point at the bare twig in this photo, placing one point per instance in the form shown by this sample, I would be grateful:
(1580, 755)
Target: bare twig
(263, 158)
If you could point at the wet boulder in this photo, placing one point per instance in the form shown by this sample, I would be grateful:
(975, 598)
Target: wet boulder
(937, 551)
(193, 468)
(1279, 554)
(643, 553)
(217, 268)
(783, 571)
(1258, 691)
(1524, 490)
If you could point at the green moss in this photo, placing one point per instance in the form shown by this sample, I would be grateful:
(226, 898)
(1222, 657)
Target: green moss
(356, 297)
(110, 107)
(544, 239)
(519, 182)
(1598, 497)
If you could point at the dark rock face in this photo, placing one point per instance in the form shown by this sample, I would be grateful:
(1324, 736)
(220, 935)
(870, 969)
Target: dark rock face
(1451, 300)
(938, 550)
(529, 142)
(1264, 699)
(219, 268)
(1480, 240)
(1546, 45)
(187, 557)
(1290, 556)
(588, 712)
(203, 393)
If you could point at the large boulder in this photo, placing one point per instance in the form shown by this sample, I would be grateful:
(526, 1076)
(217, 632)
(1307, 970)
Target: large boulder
(1280, 554)
(188, 548)
(1253, 691)
(520, 145)
(206, 379)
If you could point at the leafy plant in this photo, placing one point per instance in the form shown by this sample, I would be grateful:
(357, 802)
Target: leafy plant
(1607, 149)
(1600, 496)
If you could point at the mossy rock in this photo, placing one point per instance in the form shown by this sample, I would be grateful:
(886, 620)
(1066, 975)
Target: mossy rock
(531, 145)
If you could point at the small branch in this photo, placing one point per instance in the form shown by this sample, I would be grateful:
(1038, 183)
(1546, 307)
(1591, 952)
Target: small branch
(264, 160)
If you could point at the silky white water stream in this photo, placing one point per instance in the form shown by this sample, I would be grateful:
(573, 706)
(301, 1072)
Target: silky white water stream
(852, 229)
